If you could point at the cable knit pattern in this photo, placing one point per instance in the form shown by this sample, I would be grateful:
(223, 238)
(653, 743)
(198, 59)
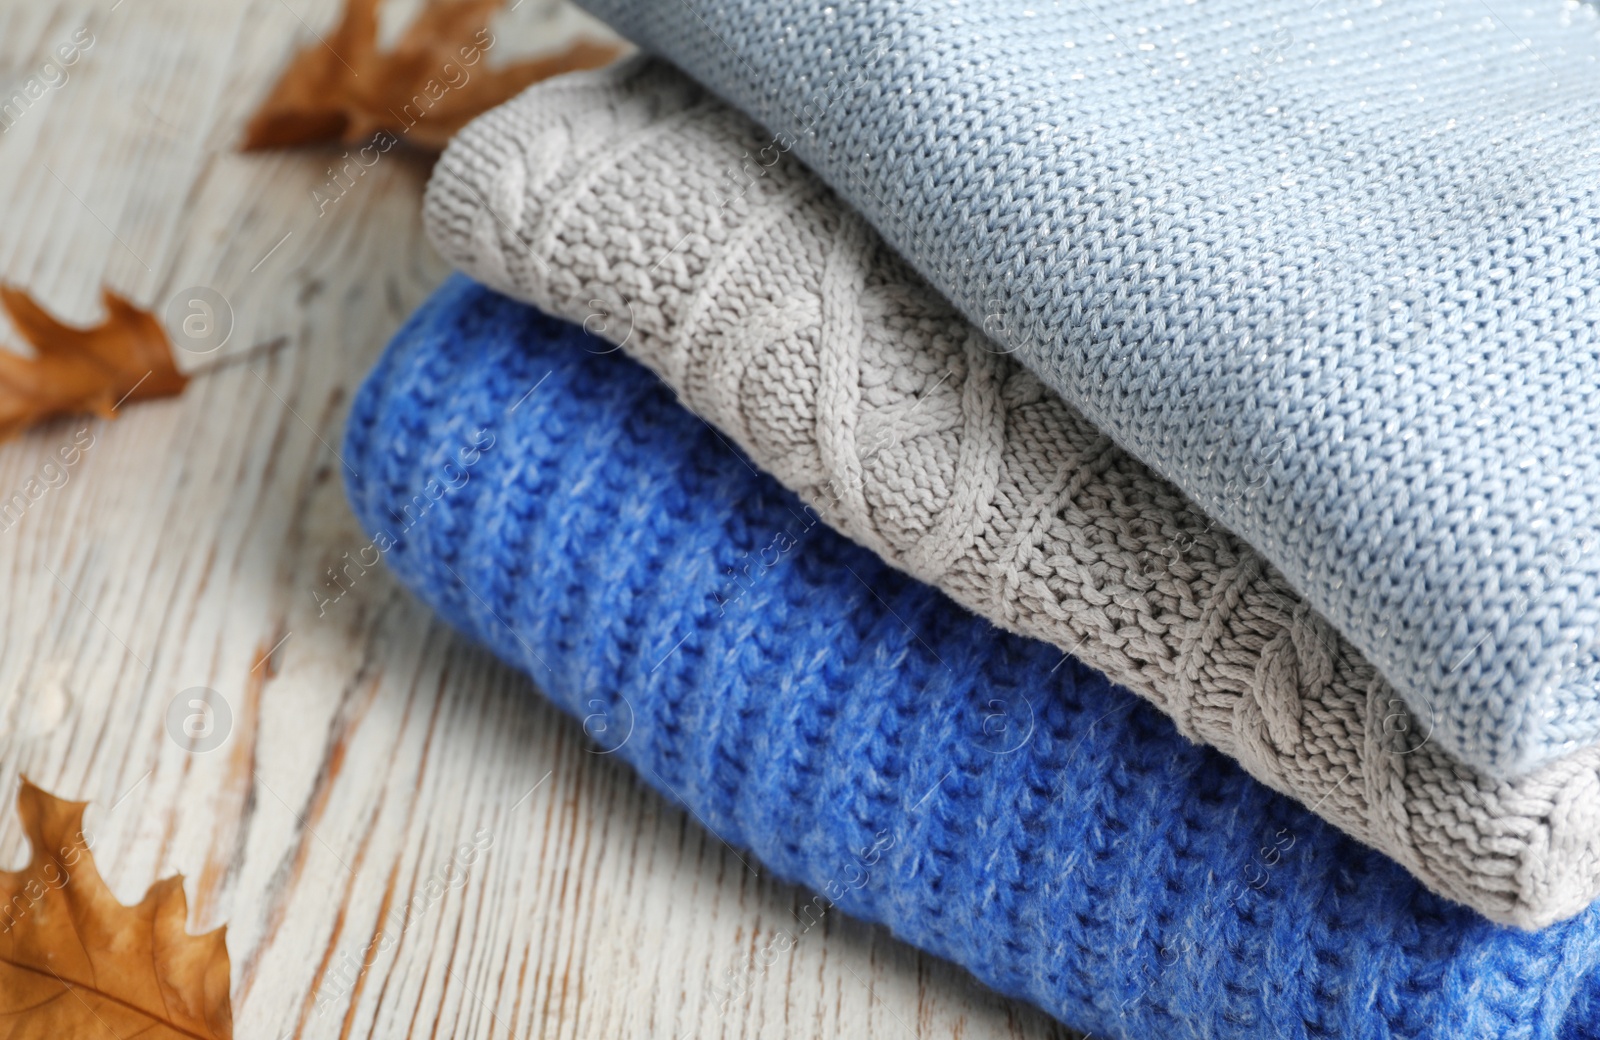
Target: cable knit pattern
(862, 735)
(1333, 268)
(781, 319)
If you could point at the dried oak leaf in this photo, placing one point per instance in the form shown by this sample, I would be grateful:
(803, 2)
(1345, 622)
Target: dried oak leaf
(125, 357)
(430, 85)
(75, 962)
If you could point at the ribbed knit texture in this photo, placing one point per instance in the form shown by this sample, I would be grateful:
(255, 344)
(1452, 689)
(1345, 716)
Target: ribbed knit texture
(864, 736)
(1333, 268)
(606, 198)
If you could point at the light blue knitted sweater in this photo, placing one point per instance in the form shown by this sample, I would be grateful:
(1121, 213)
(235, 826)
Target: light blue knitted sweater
(1333, 267)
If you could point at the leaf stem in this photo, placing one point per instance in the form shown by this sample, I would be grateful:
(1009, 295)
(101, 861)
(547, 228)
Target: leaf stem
(247, 354)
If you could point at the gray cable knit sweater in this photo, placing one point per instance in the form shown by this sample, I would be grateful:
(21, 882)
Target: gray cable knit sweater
(665, 221)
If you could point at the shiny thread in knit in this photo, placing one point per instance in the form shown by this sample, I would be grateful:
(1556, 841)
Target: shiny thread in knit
(630, 200)
(864, 736)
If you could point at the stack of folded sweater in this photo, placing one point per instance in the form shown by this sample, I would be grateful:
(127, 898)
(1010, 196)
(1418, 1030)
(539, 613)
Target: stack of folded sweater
(1254, 372)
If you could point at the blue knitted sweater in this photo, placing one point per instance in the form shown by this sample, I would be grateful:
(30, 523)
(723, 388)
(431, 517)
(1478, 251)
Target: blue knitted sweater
(984, 797)
(1332, 268)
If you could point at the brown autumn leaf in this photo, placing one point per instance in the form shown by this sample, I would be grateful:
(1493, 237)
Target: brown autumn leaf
(74, 962)
(434, 81)
(125, 357)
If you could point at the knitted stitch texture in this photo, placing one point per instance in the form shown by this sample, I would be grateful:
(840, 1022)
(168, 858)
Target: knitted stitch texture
(778, 317)
(1332, 268)
(867, 738)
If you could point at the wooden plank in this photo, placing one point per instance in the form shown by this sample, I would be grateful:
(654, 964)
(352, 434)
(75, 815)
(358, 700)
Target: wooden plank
(369, 749)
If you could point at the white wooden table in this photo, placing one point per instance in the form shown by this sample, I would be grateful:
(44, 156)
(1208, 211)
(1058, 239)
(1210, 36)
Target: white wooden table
(365, 747)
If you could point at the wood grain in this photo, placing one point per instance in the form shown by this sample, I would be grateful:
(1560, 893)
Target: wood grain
(401, 836)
